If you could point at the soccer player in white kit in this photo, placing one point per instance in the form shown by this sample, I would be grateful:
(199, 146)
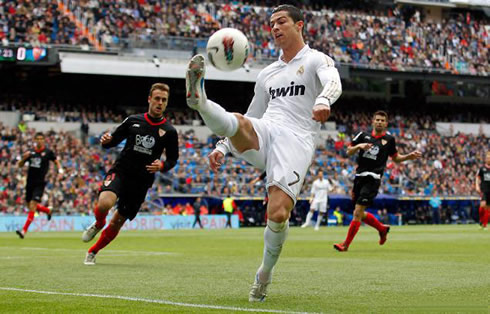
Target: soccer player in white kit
(319, 199)
(292, 99)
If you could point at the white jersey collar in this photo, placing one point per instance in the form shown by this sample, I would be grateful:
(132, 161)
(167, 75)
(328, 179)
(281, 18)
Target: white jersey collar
(297, 56)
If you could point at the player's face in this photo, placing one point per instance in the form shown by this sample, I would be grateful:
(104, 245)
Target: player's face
(157, 103)
(283, 28)
(380, 123)
(39, 141)
(320, 174)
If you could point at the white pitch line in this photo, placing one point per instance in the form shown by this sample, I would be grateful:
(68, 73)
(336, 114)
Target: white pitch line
(203, 306)
(81, 250)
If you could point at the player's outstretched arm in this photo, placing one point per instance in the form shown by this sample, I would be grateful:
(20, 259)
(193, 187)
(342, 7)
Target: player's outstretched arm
(25, 156)
(351, 150)
(58, 166)
(477, 184)
(412, 156)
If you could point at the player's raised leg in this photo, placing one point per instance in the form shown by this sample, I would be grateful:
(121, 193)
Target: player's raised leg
(220, 121)
(276, 231)
(107, 199)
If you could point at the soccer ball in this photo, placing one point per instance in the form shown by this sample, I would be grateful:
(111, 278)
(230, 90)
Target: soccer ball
(227, 49)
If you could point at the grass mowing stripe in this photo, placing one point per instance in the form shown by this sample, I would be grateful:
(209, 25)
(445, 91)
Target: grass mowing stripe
(204, 306)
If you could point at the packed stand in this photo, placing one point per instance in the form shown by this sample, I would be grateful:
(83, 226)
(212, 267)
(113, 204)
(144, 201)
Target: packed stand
(388, 38)
(448, 167)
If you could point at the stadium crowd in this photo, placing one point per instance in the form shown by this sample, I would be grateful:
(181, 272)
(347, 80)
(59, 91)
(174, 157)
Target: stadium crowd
(388, 38)
(448, 168)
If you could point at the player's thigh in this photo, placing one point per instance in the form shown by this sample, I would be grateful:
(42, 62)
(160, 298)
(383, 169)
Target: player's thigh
(29, 190)
(37, 192)
(288, 160)
(322, 207)
(368, 189)
(110, 190)
(246, 137)
(132, 196)
(255, 156)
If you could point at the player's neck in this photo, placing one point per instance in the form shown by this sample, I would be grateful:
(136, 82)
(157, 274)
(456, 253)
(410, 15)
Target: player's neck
(155, 118)
(39, 149)
(289, 52)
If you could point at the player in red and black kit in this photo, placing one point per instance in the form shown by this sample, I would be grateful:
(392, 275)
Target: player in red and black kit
(127, 182)
(38, 160)
(374, 150)
(483, 188)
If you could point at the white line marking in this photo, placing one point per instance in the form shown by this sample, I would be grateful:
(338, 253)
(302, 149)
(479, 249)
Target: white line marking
(82, 250)
(203, 306)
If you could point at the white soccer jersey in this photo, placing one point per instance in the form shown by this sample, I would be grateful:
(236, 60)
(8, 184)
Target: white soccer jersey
(285, 93)
(320, 188)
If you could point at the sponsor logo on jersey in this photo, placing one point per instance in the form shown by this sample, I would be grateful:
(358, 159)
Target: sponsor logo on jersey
(372, 153)
(144, 143)
(292, 90)
(35, 162)
(486, 176)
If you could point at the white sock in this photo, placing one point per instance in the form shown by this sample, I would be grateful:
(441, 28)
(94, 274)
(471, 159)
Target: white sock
(220, 121)
(318, 220)
(308, 218)
(274, 236)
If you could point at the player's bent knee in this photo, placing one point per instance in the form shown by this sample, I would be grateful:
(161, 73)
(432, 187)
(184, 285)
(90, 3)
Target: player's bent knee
(277, 226)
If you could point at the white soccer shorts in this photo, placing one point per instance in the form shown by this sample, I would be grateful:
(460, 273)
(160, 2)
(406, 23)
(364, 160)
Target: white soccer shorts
(319, 206)
(284, 155)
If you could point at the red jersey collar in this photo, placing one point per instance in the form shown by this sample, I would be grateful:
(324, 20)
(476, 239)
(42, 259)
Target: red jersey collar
(378, 136)
(39, 150)
(147, 118)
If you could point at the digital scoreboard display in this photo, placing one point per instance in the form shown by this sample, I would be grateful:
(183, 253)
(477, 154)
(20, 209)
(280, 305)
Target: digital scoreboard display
(23, 54)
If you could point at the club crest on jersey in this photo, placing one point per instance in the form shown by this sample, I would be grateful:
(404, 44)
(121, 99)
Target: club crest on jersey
(144, 143)
(161, 132)
(301, 70)
(383, 142)
(291, 90)
(109, 179)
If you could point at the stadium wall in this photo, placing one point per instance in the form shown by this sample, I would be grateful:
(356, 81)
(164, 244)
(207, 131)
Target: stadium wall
(9, 118)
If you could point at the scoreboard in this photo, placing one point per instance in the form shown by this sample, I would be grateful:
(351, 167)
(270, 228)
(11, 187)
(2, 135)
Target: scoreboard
(33, 55)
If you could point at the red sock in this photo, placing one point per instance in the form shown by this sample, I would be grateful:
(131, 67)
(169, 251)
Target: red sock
(485, 218)
(373, 222)
(108, 234)
(30, 218)
(353, 228)
(481, 213)
(100, 217)
(43, 209)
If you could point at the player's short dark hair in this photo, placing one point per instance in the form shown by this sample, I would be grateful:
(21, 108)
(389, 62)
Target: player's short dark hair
(159, 86)
(381, 113)
(294, 12)
(39, 134)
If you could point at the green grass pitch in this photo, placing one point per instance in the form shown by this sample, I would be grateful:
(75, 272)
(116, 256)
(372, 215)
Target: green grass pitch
(421, 269)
